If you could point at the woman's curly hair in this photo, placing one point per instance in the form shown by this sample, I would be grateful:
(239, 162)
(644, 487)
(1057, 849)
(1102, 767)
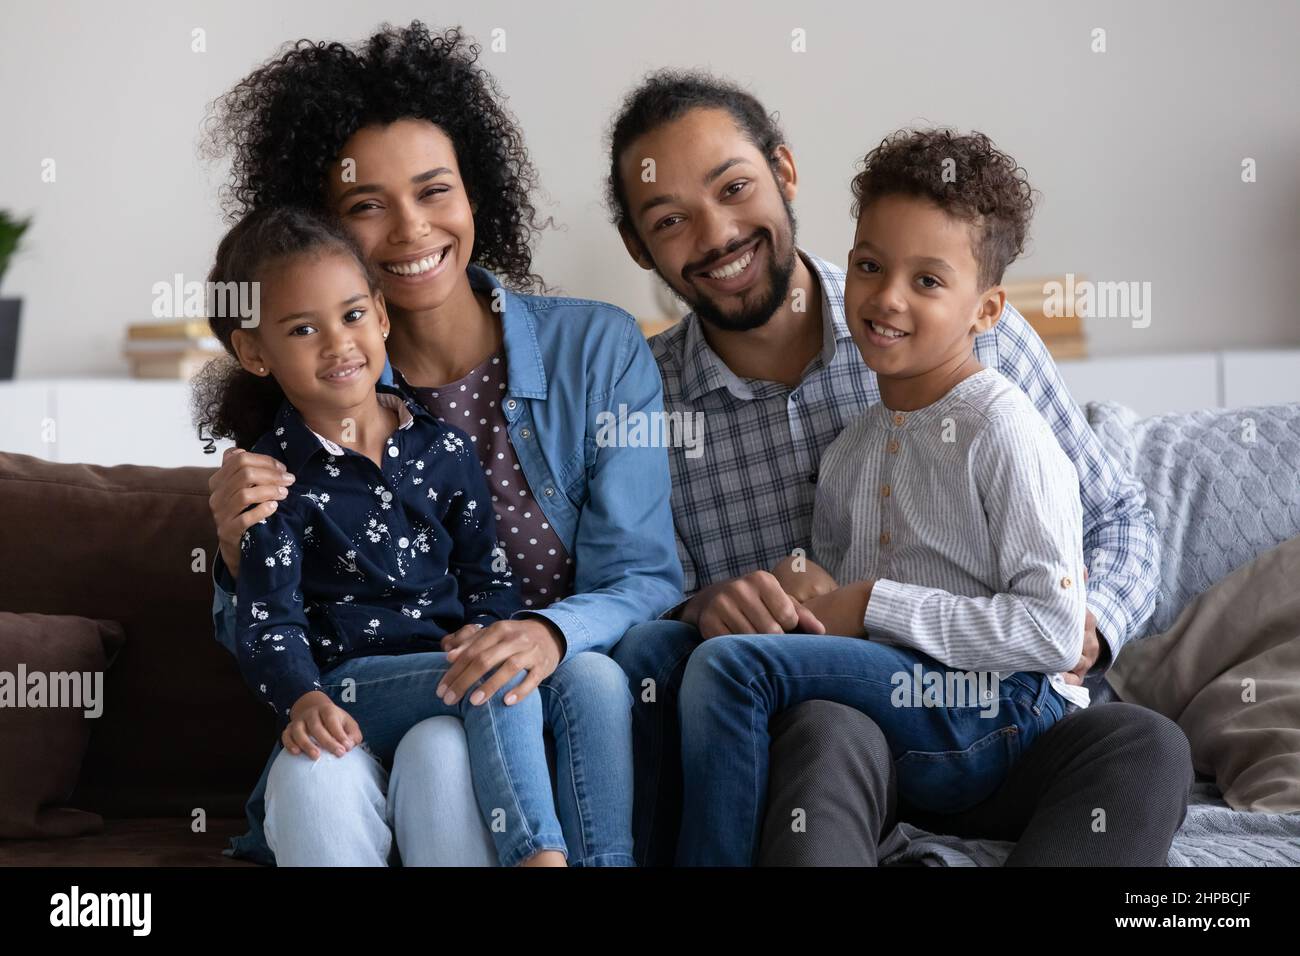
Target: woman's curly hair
(285, 124)
(967, 177)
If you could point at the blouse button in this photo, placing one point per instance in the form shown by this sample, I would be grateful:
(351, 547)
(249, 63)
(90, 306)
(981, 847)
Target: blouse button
(511, 404)
(1066, 582)
(892, 447)
(525, 433)
(392, 451)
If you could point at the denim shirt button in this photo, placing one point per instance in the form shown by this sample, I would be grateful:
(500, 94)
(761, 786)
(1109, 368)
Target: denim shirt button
(511, 404)
(525, 433)
(548, 492)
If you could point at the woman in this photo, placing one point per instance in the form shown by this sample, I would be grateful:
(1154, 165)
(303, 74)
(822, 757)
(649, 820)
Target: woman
(404, 140)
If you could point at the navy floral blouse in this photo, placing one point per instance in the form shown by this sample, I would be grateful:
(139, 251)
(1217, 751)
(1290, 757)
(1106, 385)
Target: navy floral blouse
(360, 560)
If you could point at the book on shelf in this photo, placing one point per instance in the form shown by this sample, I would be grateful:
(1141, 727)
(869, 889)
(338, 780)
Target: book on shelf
(1062, 331)
(176, 349)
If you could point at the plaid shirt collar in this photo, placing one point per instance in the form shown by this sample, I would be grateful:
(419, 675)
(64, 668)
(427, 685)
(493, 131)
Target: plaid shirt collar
(703, 371)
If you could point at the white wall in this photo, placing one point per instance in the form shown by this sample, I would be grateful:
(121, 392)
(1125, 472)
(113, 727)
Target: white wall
(1137, 150)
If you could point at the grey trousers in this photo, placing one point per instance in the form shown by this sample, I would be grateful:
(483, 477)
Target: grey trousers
(1106, 786)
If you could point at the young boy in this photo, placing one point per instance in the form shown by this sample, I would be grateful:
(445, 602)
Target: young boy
(947, 528)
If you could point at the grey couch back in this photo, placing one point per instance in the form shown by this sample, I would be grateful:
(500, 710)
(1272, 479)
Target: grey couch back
(1222, 484)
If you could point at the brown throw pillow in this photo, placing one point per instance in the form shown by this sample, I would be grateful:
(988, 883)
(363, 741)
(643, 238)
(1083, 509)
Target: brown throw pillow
(1229, 672)
(51, 692)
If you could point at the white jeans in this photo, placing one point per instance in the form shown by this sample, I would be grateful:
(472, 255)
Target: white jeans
(345, 811)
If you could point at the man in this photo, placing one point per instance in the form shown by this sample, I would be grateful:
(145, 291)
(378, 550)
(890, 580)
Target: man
(701, 185)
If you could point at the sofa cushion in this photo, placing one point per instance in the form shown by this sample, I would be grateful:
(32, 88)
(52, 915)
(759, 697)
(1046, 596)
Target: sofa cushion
(1222, 484)
(51, 693)
(166, 841)
(135, 545)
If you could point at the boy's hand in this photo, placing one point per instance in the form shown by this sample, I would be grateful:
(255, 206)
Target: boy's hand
(752, 604)
(843, 610)
(314, 715)
(802, 579)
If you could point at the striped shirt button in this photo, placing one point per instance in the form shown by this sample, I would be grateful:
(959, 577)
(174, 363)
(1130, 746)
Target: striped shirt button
(885, 491)
(884, 537)
(1066, 582)
(898, 418)
(892, 447)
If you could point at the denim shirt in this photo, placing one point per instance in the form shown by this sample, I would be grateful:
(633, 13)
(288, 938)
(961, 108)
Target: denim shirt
(362, 558)
(574, 366)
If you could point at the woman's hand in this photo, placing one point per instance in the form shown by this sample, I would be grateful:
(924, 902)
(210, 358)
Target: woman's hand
(502, 649)
(244, 479)
(802, 579)
(314, 715)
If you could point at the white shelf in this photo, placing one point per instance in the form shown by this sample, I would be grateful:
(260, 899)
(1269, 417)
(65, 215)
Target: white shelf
(112, 421)
(109, 421)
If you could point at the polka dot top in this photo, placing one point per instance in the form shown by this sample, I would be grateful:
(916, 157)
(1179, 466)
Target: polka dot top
(542, 567)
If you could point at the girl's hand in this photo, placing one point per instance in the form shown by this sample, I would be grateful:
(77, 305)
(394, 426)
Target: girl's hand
(502, 649)
(802, 579)
(244, 479)
(314, 715)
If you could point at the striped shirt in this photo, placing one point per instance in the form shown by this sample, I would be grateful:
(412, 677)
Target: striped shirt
(966, 514)
(747, 501)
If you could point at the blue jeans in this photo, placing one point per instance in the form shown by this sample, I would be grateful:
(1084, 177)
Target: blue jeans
(430, 801)
(949, 754)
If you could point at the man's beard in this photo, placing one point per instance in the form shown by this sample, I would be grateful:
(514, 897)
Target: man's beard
(756, 314)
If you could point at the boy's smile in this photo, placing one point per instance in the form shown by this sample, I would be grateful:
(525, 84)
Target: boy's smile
(912, 298)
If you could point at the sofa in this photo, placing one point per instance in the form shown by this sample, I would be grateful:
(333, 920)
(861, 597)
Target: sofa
(127, 551)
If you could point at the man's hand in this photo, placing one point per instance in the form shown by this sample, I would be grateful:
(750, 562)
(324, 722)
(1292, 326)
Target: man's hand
(802, 579)
(753, 604)
(843, 610)
(502, 649)
(1091, 645)
(315, 719)
(244, 479)
(1091, 648)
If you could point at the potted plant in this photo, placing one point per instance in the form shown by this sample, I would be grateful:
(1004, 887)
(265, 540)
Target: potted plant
(11, 230)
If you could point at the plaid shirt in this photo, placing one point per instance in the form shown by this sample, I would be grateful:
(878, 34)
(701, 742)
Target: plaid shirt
(747, 502)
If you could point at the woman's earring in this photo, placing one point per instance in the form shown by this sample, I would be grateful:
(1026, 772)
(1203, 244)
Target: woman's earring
(385, 335)
(261, 370)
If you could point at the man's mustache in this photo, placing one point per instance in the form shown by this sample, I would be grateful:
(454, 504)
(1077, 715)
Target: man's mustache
(691, 269)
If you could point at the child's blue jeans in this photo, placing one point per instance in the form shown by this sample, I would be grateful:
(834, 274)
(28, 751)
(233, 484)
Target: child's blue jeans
(948, 758)
(344, 811)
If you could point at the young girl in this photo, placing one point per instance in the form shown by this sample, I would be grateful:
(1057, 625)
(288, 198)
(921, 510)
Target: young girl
(385, 542)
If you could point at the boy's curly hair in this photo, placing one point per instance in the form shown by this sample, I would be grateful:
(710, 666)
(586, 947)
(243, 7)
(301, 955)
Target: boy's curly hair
(983, 186)
(285, 123)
